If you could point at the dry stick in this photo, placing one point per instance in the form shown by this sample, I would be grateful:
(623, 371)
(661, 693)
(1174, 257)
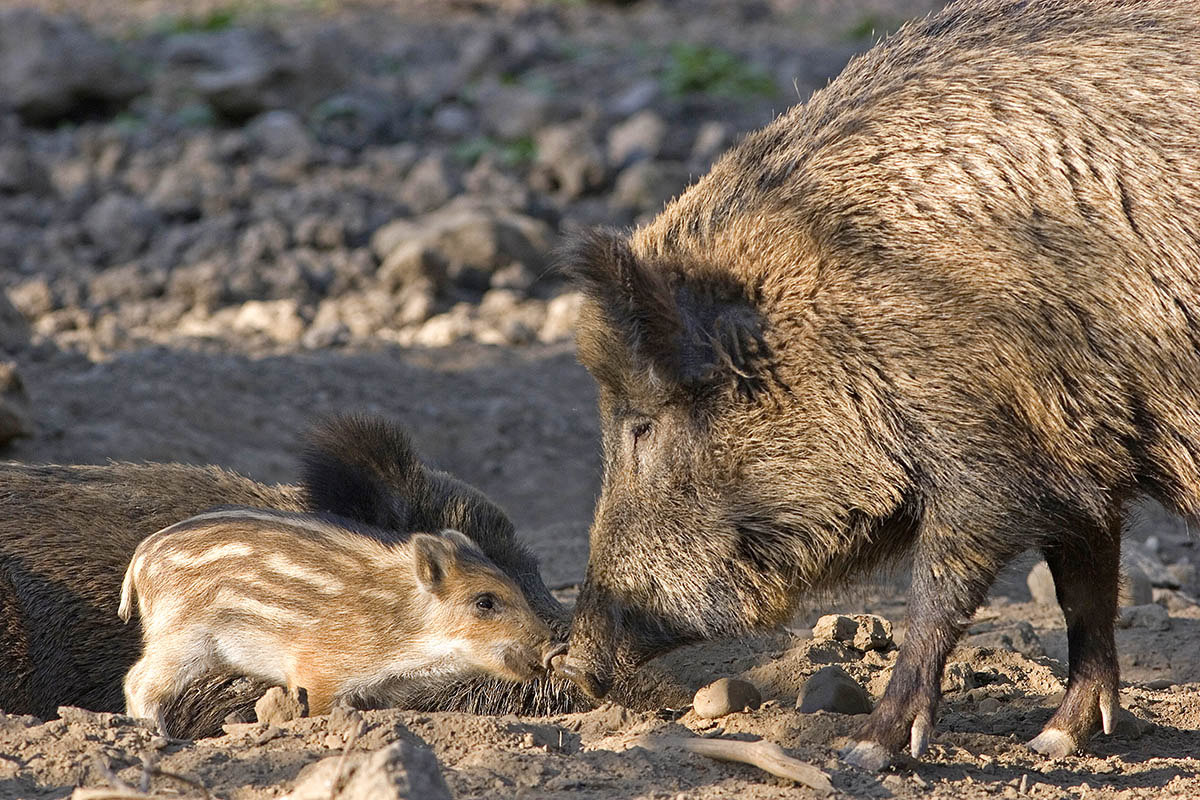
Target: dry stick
(767, 756)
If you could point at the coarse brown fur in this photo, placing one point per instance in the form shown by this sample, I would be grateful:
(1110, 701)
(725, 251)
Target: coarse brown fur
(67, 534)
(315, 601)
(950, 306)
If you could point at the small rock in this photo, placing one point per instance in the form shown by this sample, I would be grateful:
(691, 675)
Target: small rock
(725, 696)
(280, 134)
(513, 112)
(280, 705)
(1136, 589)
(569, 164)
(639, 137)
(641, 95)
(1183, 572)
(20, 173)
(352, 119)
(988, 705)
(959, 677)
(1041, 584)
(54, 68)
(445, 329)
(345, 720)
(473, 240)
(400, 771)
(860, 631)
(430, 185)
(453, 120)
(711, 141)
(1150, 615)
(14, 327)
(832, 689)
(1019, 637)
(1159, 683)
(280, 320)
(16, 415)
(648, 185)
(120, 225)
(561, 313)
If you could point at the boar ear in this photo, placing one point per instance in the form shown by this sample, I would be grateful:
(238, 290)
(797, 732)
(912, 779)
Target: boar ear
(431, 560)
(699, 329)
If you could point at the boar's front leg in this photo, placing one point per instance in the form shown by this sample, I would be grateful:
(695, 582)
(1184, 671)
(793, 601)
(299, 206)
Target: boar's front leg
(951, 576)
(1085, 570)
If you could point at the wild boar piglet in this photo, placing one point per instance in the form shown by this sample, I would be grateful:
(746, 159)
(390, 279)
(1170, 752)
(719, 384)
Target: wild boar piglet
(314, 601)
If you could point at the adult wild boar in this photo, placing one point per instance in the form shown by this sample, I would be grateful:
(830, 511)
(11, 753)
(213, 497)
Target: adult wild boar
(949, 307)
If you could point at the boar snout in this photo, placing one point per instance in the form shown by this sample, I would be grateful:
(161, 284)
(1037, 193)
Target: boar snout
(593, 682)
(552, 651)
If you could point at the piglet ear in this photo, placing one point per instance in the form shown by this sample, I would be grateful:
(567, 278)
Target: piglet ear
(460, 540)
(697, 327)
(431, 556)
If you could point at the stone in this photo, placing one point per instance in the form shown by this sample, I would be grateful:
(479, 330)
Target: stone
(281, 705)
(353, 119)
(279, 320)
(54, 68)
(637, 138)
(430, 185)
(14, 327)
(1151, 616)
(21, 173)
(569, 164)
(1136, 589)
(646, 186)
(472, 239)
(400, 771)
(640, 95)
(280, 134)
(711, 140)
(16, 415)
(832, 689)
(725, 696)
(453, 120)
(1041, 584)
(412, 263)
(120, 225)
(239, 72)
(561, 313)
(512, 112)
(860, 631)
(1019, 637)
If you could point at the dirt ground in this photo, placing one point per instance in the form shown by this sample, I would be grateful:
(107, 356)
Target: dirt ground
(518, 421)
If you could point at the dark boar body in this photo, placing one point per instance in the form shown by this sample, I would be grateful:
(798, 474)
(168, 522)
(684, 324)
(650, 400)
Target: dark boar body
(67, 534)
(949, 307)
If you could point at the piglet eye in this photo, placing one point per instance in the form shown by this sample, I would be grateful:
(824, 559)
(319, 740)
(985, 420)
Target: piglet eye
(485, 602)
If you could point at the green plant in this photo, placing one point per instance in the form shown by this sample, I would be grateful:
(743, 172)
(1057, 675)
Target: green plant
(510, 153)
(697, 68)
(871, 26)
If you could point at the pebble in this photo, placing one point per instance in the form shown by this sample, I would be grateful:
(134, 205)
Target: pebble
(1150, 615)
(1130, 726)
(280, 705)
(860, 631)
(401, 771)
(832, 689)
(726, 696)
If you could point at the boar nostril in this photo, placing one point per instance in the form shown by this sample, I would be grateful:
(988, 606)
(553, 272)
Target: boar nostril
(553, 653)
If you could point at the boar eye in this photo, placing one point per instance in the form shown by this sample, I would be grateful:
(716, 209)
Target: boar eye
(485, 602)
(640, 430)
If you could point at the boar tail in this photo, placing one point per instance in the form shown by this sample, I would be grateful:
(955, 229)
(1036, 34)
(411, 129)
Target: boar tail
(125, 610)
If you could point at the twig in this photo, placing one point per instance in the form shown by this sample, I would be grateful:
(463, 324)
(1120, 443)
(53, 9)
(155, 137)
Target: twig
(767, 756)
(335, 785)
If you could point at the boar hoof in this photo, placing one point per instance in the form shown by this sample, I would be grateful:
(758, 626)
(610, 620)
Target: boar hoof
(870, 756)
(1053, 743)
